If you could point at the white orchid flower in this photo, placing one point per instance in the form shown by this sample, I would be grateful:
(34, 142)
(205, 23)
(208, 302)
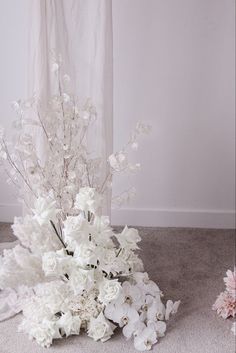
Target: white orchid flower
(158, 326)
(171, 308)
(156, 311)
(145, 339)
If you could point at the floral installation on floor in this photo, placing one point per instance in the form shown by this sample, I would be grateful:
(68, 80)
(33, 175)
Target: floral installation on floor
(225, 304)
(70, 270)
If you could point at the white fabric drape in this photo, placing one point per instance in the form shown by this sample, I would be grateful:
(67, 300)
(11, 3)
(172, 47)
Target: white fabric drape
(81, 31)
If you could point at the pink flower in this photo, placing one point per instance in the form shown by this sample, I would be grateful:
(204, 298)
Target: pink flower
(230, 282)
(225, 305)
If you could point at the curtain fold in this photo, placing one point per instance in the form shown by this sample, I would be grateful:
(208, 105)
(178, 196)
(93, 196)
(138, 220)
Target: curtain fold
(81, 32)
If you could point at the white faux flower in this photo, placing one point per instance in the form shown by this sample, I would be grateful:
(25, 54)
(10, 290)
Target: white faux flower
(128, 238)
(73, 226)
(80, 280)
(45, 210)
(85, 254)
(69, 324)
(141, 277)
(109, 262)
(118, 161)
(65, 262)
(171, 308)
(142, 128)
(92, 279)
(77, 230)
(57, 263)
(88, 200)
(20, 267)
(44, 333)
(122, 314)
(134, 167)
(158, 326)
(85, 305)
(156, 311)
(49, 299)
(39, 239)
(132, 295)
(50, 263)
(35, 311)
(133, 328)
(147, 286)
(145, 339)
(134, 262)
(103, 231)
(100, 329)
(15, 106)
(109, 290)
(134, 145)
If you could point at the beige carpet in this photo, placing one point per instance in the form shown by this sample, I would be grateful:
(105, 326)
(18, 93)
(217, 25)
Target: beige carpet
(188, 264)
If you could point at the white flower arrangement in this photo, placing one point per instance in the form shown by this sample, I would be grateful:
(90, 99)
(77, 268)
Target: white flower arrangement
(78, 272)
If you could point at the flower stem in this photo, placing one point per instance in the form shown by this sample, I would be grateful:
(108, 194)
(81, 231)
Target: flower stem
(59, 237)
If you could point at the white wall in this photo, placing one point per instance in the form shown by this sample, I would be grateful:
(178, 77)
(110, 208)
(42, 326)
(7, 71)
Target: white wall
(174, 66)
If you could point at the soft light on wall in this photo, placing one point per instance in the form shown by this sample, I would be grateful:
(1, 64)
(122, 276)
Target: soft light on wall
(174, 66)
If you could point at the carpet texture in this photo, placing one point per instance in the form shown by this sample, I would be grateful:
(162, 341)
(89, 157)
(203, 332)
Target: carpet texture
(187, 264)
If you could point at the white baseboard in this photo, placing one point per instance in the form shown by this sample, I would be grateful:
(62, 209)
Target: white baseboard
(174, 218)
(151, 217)
(9, 211)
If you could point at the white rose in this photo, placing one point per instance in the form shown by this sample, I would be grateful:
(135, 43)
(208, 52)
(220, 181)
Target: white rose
(100, 328)
(109, 290)
(80, 280)
(73, 225)
(85, 254)
(49, 263)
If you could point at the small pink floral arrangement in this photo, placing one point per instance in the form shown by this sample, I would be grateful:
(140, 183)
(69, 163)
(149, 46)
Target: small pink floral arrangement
(225, 304)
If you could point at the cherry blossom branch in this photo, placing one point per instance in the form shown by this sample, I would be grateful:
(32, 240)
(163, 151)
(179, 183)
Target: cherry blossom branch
(12, 163)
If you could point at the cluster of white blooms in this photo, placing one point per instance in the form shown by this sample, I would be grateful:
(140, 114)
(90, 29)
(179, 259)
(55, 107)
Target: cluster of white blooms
(88, 277)
(78, 272)
(140, 311)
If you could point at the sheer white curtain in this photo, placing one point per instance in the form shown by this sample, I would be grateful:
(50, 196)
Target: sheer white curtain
(81, 31)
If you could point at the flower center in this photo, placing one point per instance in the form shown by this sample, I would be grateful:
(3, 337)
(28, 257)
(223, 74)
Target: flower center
(145, 307)
(125, 320)
(128, 300)
(159, 316)
(148, 344)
